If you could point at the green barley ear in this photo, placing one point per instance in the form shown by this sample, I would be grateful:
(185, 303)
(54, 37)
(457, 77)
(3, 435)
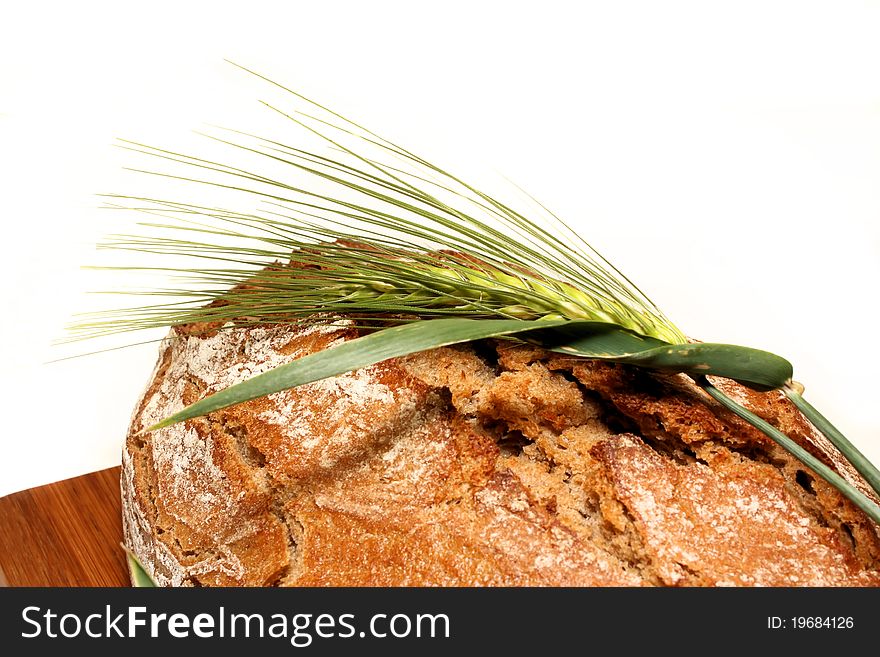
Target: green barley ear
(420, 257)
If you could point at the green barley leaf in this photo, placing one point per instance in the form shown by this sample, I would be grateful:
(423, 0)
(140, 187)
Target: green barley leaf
(139, 576)
(849, 491)
(755, 368)
(588, 339)
(859, 461)
(360, 352)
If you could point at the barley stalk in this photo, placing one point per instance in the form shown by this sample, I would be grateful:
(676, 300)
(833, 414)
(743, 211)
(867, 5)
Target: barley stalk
(370, 278)
(405, 241)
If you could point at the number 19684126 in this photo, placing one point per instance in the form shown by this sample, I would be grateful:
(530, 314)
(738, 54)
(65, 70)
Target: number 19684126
(810, 623)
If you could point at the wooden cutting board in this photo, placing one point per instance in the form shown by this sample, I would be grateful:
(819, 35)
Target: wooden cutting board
(64, 534)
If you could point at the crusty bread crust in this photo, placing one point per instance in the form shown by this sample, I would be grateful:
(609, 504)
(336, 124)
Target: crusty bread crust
(483, 464)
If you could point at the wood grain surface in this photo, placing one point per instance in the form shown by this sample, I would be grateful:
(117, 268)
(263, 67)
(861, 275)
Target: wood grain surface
(64, 534)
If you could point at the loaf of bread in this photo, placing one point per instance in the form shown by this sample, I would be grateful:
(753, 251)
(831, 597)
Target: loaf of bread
(490, 463)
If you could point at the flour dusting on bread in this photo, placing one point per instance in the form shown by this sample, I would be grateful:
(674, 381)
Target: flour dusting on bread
(482, 464)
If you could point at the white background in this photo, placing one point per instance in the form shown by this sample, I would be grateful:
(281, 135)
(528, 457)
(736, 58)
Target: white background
(726, 156)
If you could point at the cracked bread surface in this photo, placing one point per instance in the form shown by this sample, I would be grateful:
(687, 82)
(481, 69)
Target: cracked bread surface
(490, 463)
